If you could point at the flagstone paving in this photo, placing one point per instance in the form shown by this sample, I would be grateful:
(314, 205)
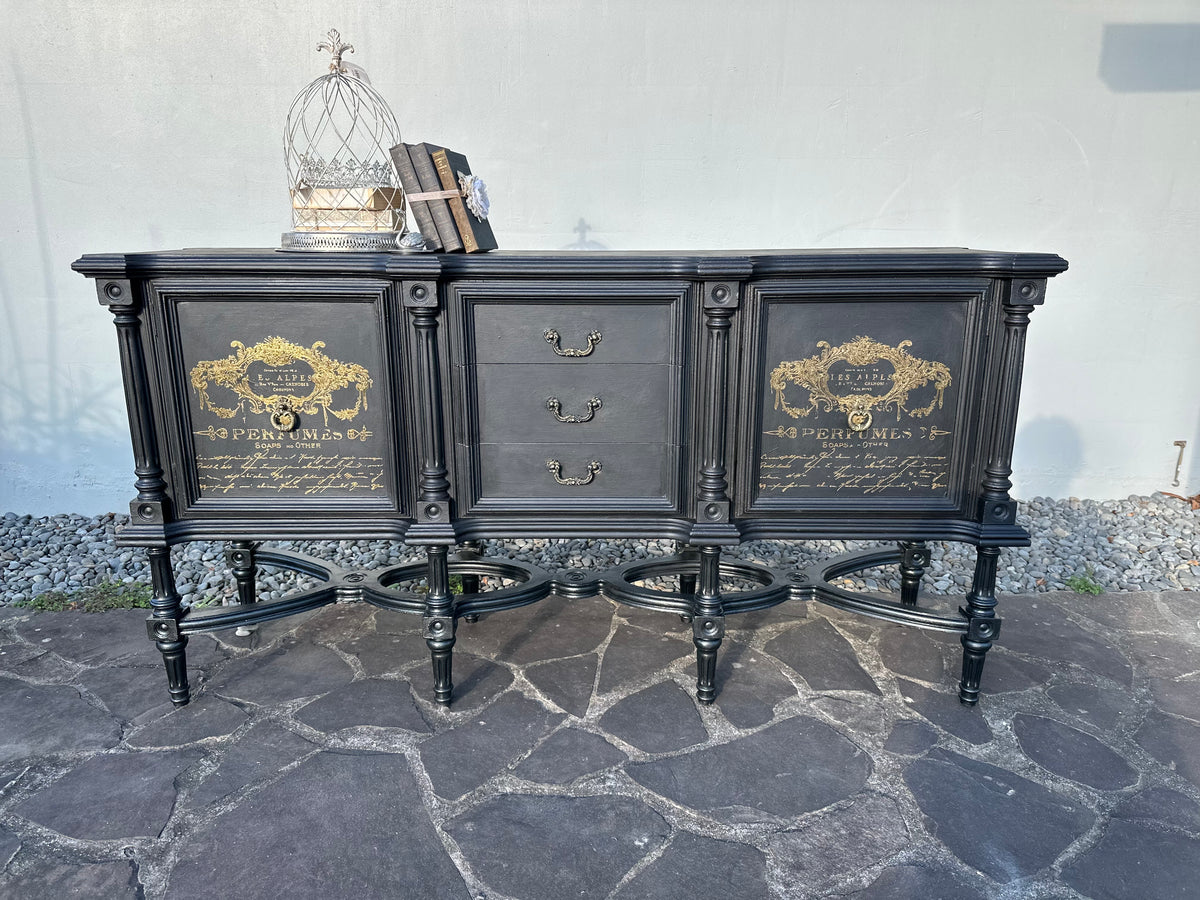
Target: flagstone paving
(836, 761)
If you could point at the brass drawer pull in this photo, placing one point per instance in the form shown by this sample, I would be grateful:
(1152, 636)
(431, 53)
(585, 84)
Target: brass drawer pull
(555, 468)
(555, 406)
(552, 338)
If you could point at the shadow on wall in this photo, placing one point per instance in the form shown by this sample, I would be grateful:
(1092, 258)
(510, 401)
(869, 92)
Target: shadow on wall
(1049, 449)
(57, 420)
(1136, 57)
(1147, 57)
(583, 243)
(64, 443)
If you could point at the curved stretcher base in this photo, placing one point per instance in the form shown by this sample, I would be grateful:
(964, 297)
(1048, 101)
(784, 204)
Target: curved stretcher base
(686, 588)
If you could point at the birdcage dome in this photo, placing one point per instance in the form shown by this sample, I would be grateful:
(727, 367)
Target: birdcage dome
(344, 191)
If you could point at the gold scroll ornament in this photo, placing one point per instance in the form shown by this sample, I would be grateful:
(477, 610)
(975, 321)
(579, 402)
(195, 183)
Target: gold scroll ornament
(309, 392)
(814, 374)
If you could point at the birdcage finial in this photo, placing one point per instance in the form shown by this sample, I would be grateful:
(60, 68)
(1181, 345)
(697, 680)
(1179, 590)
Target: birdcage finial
(335, 46)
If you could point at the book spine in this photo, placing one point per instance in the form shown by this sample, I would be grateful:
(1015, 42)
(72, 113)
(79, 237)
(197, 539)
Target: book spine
(427, 175)
(481, 229)
(411, 185)
(457, 208)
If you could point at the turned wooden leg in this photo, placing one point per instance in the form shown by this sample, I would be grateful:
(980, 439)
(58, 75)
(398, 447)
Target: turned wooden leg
(687, 581)
(163, 624)
(914, 557)
(240, 557)
(982, 625)
(439, 624)
(470, 583)
(708, 623)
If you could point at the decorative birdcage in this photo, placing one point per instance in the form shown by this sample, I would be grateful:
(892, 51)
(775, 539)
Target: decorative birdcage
(345, 194)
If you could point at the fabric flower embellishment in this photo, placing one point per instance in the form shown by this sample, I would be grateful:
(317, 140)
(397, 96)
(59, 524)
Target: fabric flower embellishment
(474, 193)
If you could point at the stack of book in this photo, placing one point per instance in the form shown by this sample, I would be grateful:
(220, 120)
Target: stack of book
(448, 202)
(347, 209)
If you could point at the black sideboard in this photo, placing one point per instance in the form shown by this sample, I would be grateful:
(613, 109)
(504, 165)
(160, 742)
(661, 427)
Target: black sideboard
(704, 398)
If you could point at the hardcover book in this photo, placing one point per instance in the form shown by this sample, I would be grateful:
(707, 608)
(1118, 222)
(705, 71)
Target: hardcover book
(348, 219)
(439, 208)
(370, 198)
(412, 185)
(470, 205)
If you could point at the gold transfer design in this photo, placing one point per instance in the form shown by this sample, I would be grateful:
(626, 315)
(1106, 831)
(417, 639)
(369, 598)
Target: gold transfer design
(909, 373)
(312, 390)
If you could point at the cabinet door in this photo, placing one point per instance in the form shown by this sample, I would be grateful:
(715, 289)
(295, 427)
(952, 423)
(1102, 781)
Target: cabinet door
(284, 398)
(568, 396)
(861, 400)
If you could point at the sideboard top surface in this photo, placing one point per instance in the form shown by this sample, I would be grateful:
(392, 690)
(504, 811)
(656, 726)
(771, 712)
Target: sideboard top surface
(564, 263)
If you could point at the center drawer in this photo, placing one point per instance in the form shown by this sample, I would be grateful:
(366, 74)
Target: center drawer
(568, 333)
(589, 403)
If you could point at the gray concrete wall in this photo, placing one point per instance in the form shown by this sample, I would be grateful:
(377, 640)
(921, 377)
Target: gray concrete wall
(1044, 125)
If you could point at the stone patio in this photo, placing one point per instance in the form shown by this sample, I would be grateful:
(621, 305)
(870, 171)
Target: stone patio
(836, 762)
